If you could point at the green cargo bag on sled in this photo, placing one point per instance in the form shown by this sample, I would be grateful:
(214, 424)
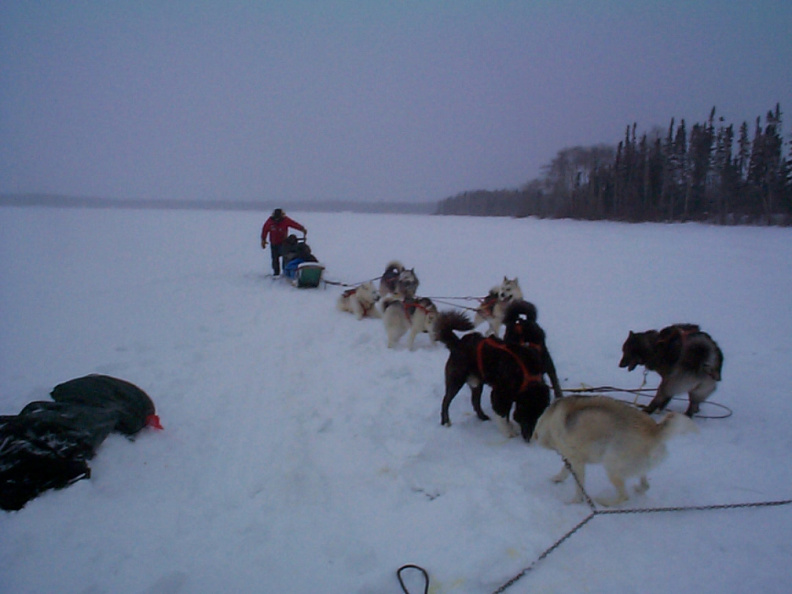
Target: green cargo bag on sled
(300, 265)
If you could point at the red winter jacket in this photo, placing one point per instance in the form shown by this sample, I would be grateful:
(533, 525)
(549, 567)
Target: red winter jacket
(278, 230)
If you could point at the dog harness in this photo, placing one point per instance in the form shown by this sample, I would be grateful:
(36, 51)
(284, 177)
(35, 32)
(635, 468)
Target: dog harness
(677, 331)
(528, 377)
(411, 306)
(350, 292)
(488, 303)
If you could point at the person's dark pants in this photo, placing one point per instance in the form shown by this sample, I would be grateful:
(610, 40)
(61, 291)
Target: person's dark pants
(276, 256)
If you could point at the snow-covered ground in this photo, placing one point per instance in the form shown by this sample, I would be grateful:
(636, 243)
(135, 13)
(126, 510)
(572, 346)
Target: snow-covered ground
(301, 455)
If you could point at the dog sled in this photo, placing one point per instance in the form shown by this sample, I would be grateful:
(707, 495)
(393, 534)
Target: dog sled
(300, 266)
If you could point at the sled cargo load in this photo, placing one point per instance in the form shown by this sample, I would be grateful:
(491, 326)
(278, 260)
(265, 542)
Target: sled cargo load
(300, 266)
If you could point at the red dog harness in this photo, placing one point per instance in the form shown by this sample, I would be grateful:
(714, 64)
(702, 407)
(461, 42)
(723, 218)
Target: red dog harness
(488, 303)
(349, 292)
(410, 307)
(528, 377)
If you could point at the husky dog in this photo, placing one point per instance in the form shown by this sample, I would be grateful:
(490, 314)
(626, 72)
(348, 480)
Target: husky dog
(687, 359)
(407, 285)
(416, 314)
(493, 306)
(361, 301)
(398, 280)
(514, 370)
(522, 329)
(389, 278)
(601, 430)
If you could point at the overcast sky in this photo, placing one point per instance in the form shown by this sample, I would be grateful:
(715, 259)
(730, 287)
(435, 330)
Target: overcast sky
(369, 100)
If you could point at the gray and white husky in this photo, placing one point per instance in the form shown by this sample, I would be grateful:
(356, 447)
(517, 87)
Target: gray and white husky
(687, 359)
(398, 280)
(387, 285)
(402, 314)
(493, 307)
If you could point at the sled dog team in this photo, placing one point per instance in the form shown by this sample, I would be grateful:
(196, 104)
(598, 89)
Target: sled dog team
(582, 429)
(395, 301)
(401, 310)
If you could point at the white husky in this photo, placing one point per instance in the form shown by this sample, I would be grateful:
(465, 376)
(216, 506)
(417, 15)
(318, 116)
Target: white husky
(495, 304)
(361, 301)
(414, 314)
(601, 430)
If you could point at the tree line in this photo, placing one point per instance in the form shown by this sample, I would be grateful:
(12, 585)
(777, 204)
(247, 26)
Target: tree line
(705, 172)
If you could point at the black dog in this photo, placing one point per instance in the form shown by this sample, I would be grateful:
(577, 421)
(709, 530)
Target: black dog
(687, 359)
(522, 329)
(513, 367)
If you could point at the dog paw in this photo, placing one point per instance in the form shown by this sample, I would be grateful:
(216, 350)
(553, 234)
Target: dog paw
(610, 501)
(643, 486)
(506, 427)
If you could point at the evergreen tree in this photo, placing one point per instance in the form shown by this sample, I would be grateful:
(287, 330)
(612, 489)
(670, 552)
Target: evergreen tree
(742, 201)
(700, 153)
(773, 184)
(743, 152)
(677, 169)
(725, 183)
(667, 182)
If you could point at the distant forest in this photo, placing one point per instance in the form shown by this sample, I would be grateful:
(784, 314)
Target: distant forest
(704, 172)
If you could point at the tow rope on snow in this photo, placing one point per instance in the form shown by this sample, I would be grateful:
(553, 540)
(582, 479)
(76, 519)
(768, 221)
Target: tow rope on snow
(424, 575)
(648, 393)
(343, 284)
(595, 511)
(444, 300)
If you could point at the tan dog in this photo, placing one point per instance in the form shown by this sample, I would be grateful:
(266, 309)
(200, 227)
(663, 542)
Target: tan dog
(601, 430)
(495, 304)
(361, 301)
(413, 314)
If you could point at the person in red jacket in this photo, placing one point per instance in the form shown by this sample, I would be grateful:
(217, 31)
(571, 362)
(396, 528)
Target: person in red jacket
(277, 227)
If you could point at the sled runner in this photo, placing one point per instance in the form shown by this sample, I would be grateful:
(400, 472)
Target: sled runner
(300, 266)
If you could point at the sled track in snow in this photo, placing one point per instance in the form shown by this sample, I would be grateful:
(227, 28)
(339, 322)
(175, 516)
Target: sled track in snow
(595, 512)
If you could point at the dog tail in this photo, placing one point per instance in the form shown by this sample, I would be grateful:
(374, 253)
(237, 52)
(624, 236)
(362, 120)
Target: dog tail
(520, 309)
(703, 356)
(394, 266)
(676, 424)
(449, 321)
